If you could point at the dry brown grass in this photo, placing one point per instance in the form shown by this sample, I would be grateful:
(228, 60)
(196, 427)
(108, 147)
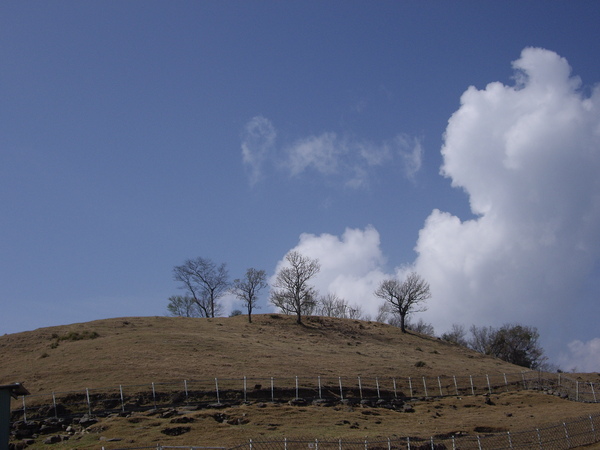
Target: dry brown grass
(158, 349)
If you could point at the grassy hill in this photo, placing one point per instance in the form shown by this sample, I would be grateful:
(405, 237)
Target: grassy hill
(142, 350)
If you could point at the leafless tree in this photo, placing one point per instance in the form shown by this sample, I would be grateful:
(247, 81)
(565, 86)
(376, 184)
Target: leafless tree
(183, 306)
(404, 297)
(331, 305)
(456, 335)
(204, 281)
(291, 292)
(247, 289)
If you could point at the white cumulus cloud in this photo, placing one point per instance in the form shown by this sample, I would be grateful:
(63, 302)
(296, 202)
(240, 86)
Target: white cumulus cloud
(351, 265)
(528, 157)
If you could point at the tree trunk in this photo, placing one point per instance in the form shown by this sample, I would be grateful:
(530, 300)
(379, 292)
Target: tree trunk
(402, 327)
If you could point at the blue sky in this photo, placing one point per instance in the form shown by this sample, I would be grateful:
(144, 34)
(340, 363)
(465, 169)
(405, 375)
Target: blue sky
(456, 138)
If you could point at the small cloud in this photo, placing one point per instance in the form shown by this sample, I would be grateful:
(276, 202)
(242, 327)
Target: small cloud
(582, 356)
(258, 140)
(321, 153)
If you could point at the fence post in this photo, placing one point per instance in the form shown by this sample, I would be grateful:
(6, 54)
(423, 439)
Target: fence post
(377, 383)
(340, 444)
(341, 390)
(410, 387)
(577, 391)
(245, 389)
(567, 435)
(509, 439)
(54, 403)
(593, 429)
(185, 388)
(24, 410)
(478, 442)
(87, 394)
(389, 444)
(593, 392)
(250, 444)
(472, 388)
(217, 387)
(154, 395)
(523, 377)
(539, 437)
(455, 385)
(320, 396)
(284, 443)
(296, 386)
(425, 387)
(488, 382)
(122, 400)
(395, 392)
(272, 391)
(505, 382)
(366, 444)
(440, 386)
(408, 443)
(453, 442)
(360, 388)
(316, 444)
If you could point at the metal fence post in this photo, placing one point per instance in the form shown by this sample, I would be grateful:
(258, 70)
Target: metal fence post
(425, 387)
(593, 392)
(567, 435)
(319, 379)
(54, 403)
(217, 387)
(360, 388)
(395, 392)
(154, 394)
(455, 385)
(472, 388)
(272, 391)
(245, 389)
(440, 386)
(87, 394)
(122, 400)
(341, 390)
(410, 387)
(377, 383)
(488, 383)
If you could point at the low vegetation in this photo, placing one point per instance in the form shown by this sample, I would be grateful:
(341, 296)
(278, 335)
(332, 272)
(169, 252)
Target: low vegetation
(142, 350)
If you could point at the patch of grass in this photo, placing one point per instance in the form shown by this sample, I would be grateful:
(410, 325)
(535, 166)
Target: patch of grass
(420, 364)
(73, 336)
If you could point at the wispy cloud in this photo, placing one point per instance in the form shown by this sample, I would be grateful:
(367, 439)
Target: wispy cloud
(258, 140)
(351, 162)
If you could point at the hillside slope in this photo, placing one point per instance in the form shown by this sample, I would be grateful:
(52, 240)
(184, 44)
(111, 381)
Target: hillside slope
(155, 349)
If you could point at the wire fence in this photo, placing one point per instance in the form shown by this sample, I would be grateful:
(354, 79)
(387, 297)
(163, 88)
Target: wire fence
(232, 391)
(580, 432)
(576, 433)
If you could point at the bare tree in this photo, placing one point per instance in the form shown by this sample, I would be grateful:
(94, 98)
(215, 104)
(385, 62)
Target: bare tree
(183, 306)
(404, 297)
(331, 305)
(247, 289)
(292, 294)
(204, 281)
(456, 335)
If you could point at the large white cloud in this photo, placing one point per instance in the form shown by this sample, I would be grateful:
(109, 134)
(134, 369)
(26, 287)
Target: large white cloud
(528, 157)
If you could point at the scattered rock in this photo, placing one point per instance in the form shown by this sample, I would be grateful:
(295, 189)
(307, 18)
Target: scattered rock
(175, 431)
(184, 419)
